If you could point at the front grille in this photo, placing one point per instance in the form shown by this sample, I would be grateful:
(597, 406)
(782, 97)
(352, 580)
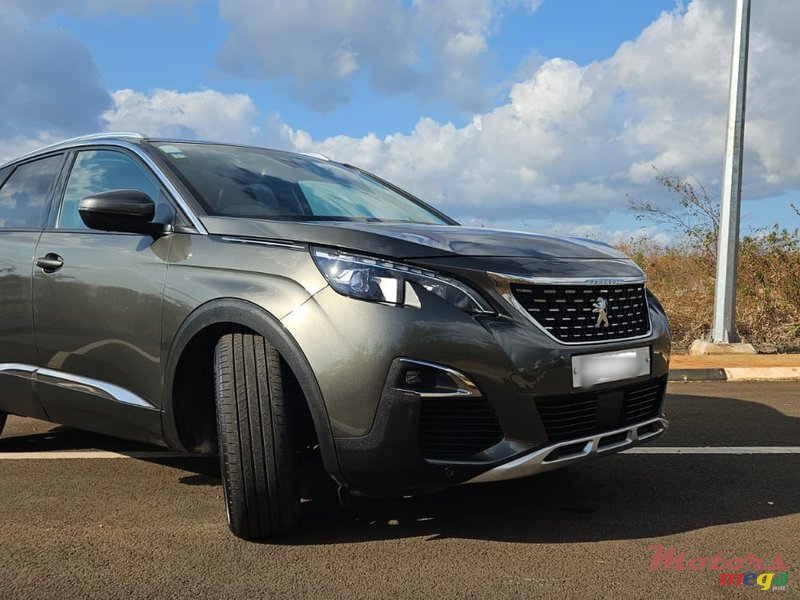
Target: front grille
(579, 415)
(453, 428)
(568, 312)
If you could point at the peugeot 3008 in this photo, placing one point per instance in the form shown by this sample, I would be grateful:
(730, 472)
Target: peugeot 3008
(254, 303)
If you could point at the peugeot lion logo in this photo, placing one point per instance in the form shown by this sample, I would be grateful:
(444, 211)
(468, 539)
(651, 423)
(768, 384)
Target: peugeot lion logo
(600, 308)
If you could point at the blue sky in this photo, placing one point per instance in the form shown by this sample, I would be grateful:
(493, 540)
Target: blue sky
(542, 114)
(182, 44)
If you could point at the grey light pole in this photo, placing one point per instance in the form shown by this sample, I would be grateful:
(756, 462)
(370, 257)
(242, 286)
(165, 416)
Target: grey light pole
(724, 326)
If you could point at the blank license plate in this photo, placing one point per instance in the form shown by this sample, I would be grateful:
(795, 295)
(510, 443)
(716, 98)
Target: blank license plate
(592, 369)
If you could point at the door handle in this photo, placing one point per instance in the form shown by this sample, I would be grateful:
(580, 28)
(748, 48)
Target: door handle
(50, 263)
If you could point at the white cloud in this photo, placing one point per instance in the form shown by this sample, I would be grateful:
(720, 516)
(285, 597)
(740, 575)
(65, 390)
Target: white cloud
(571, 141)
(561, 152)
(433, 48)
(345, 62)
(206, 114)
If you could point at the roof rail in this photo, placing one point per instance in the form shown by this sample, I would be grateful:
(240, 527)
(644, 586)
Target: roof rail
(82, 138)
(316, 155)
(93, 136)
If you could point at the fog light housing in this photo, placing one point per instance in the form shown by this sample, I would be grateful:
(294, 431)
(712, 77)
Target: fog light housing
(432, 381)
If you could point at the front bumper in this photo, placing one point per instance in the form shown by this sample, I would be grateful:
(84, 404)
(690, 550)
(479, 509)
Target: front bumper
(412, 449)
(521, 374)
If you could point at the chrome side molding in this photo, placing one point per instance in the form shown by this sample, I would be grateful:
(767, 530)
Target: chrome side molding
(87, 385)
(556, 455)
(17, 370)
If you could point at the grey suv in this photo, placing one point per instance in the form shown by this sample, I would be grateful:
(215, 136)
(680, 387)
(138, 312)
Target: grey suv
(261, 304)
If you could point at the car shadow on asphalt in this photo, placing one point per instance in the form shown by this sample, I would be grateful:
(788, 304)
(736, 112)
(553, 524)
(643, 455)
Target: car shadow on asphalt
(617, 498)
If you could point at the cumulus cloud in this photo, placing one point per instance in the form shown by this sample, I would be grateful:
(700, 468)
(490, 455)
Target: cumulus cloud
(559, 152)
(572, 140)
(207, 114)
(432, 48)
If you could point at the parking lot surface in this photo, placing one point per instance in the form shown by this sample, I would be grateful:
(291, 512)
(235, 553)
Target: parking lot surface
(82, 515)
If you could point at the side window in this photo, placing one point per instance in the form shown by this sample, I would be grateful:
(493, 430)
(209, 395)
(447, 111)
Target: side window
(23, 197)
(97, 171)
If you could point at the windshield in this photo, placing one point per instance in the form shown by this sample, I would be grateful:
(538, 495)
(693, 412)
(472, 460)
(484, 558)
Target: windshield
(232, 181)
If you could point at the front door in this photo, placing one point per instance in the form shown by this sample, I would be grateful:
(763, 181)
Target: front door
(97, 307)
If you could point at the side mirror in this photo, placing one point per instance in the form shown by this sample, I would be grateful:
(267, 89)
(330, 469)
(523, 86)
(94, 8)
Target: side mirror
(126, 211)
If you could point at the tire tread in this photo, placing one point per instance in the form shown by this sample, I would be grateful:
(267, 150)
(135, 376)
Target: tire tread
(257, 447)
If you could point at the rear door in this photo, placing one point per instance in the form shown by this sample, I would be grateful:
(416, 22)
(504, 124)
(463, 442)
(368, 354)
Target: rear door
(25, 192)
(97, 306)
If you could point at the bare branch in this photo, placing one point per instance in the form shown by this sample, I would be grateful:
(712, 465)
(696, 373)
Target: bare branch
(696, 217)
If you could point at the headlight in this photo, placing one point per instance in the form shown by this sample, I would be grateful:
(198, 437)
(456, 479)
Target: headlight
(380, 280)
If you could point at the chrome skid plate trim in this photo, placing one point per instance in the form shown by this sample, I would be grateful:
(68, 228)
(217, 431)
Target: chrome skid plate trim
(537, 462)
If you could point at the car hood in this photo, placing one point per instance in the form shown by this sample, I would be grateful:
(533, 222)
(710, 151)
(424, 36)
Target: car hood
(415, 241)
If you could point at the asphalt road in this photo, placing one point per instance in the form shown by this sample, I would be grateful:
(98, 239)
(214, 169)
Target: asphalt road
(78, 527)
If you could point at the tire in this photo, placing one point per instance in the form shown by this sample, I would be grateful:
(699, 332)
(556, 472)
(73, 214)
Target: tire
(2, 420)
(256, 432)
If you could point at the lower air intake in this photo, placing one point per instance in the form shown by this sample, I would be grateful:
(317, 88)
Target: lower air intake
(454, 428)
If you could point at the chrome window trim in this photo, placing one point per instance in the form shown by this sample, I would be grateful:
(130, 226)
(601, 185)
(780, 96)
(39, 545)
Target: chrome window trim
(160, 175)
(108, 139)
(65, 144)
(95, 387)
(502, 283)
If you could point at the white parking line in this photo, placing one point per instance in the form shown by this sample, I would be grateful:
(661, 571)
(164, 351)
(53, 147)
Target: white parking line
(93, 454)
(714, 450)
(83, 454)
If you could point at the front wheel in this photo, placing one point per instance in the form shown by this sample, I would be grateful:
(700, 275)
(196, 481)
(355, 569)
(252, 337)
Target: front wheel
(256, 438)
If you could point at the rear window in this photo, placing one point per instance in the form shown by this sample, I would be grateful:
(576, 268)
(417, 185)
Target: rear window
(24, 195)
(231, 181)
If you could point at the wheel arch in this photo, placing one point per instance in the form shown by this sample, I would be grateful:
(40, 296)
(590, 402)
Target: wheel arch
(226, 315)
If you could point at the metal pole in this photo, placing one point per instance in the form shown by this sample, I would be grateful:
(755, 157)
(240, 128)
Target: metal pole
(724, 326)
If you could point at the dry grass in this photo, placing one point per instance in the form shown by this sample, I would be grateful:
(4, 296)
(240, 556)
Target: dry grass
(768, 298)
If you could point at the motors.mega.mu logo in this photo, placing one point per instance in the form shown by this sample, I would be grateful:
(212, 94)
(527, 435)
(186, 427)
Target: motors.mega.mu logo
(749, 570)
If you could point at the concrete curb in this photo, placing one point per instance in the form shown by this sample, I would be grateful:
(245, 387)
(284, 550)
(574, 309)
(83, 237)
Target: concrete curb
(736, 374)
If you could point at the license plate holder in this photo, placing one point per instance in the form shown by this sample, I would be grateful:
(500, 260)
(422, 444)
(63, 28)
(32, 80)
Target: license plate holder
(589, 370)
